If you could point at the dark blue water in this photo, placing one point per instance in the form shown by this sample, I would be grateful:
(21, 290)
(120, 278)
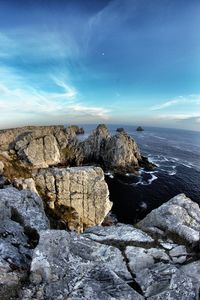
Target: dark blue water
(177, 155)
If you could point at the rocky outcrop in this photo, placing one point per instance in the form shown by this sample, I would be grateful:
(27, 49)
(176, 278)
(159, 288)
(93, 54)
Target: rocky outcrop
(118, 153)
(115, 262)
(7, 136)
(21, 217)
(41, 147)
(93, 148)
(78, 196)
(77, 129)
(139, 128)
(179, 218)
(78, 269)
(26, 208)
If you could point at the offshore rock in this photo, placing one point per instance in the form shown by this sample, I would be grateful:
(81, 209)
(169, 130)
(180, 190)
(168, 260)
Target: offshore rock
(179, 219)
(139, 128)
(78, 196)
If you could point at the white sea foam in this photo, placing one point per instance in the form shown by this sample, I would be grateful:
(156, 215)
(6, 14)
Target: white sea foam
(148, 182)
(159, 137)
(171, 173)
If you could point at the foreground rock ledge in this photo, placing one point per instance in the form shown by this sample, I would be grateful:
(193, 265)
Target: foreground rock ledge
(78, 196)
(117, 262)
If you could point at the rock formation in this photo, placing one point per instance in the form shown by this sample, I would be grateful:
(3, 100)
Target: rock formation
(179, 219)
(36, 158)
(115, 262)
(77, 129)
(78, 196)
(21, 218)
(139, 128)
(118, 153)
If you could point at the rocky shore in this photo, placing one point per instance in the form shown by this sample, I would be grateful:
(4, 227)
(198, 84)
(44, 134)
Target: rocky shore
(54, 199)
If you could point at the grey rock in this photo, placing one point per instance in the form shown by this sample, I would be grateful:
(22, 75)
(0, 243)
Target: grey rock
(79, 196)
(26, 208)
(179, 254)
(192, 270)
(15, 255)
(178, 218)
(119, 235)
(140, 258)
(180, 287)
(66, 265)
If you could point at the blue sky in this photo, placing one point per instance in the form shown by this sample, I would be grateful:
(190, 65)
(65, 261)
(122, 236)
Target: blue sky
(83, 61)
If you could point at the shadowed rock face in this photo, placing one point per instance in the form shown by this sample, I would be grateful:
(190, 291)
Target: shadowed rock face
(78, 196)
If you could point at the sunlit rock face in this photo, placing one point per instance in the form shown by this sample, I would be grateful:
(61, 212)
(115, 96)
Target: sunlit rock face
(40, 146)
(118, 153)
(78, 196)
(178, 218)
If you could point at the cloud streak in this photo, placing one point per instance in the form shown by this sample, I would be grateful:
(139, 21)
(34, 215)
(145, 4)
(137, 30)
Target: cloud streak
(21, 100)
(191, 99)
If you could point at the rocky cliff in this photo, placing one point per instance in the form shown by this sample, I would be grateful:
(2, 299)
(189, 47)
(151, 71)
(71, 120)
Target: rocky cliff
(38, 158)
(78, 196)
(118, 153)
(153, 260)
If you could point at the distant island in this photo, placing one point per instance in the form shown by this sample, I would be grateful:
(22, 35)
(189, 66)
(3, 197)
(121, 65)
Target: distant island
(139, 128)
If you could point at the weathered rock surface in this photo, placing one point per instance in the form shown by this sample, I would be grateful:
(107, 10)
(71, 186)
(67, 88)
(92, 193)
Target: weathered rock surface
(26, 208)
(120, 235)
(179, 219)
(115, 262)
(21, 216)
(78, 196)
(44, 146)
(67, 266)
(7, 136)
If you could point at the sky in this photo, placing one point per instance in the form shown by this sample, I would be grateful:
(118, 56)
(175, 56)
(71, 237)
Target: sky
(106, 61)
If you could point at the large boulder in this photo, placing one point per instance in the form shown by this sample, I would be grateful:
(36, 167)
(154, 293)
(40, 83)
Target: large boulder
(78, 196)
(179, 219)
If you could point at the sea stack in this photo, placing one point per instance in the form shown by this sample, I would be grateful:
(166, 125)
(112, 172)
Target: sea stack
(139, 128)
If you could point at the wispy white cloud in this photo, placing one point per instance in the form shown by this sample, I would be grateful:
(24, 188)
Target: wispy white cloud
(19, 100)
(191, 99)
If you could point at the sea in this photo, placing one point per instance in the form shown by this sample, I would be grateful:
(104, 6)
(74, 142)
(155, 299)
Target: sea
(177, 156)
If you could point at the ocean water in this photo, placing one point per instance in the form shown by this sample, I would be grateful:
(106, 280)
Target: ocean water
(177, 156)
